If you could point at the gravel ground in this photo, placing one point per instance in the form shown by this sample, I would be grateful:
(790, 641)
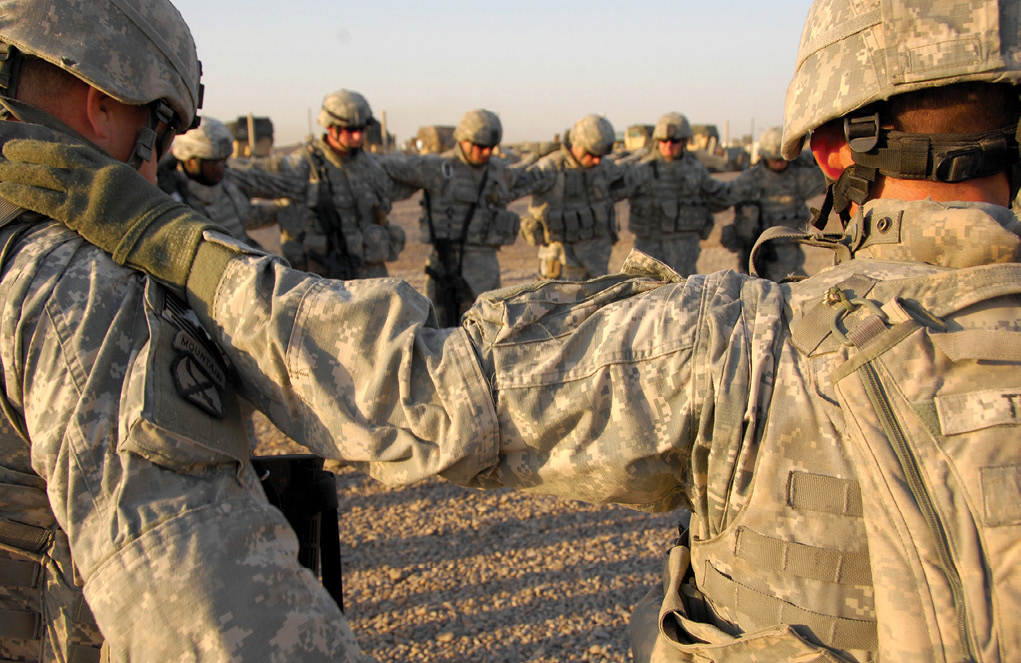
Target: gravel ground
(437, 573)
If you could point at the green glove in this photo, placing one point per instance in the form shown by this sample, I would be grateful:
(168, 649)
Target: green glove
(109, 203)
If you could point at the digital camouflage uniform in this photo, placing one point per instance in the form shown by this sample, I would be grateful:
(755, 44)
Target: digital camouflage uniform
(775, 199)
(227, 203)
(673, 211)
(571, 217)
(124, 474)
(360, 191)
(846, 444)
(150, 487)
(463, 248)
(755, 443)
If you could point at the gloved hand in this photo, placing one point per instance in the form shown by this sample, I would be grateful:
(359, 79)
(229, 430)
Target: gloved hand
(109, 203)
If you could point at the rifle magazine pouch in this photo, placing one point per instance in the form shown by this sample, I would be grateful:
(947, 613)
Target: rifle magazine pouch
(692, 218)
(503, 228)
(556, 226)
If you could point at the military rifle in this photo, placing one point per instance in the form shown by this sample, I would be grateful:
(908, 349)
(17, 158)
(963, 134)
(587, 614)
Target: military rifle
(339, 262)
(306, 494)
(451, 287)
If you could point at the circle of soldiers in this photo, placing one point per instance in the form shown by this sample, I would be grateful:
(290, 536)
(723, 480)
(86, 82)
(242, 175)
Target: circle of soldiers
(332, 196)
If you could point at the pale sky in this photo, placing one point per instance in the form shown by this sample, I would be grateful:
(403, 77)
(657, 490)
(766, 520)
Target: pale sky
(539, 65)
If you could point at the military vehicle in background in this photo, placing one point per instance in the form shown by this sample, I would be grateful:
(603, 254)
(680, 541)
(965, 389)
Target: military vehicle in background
(706, 147)
(528, 152)
(431, 139)
(253, 136)
(378, 139)
(637, 136)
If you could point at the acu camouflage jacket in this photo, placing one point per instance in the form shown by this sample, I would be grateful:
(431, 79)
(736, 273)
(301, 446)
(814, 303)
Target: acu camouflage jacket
(836, 513)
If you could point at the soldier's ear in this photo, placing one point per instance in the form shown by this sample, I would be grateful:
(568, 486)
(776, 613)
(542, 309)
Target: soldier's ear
(830, 149)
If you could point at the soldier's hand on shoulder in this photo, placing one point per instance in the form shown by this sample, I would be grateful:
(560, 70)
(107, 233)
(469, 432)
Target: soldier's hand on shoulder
(106, 201)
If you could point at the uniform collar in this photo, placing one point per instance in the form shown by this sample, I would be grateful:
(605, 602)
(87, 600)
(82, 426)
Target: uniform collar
(946, 234)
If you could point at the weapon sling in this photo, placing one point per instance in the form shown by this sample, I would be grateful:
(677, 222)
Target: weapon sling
(345, 266)
(451, 280)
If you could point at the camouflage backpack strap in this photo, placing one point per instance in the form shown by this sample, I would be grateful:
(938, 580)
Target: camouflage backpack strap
(9, 213)
(931, 402)
(835, 242)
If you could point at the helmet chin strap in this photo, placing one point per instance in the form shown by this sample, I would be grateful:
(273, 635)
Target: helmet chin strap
(903, 155)
(159, 113)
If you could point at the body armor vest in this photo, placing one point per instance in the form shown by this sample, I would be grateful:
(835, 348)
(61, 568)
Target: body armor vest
(356, 186)
(483, 192)
(780, 198)
(672, 202)
(578, 206)
(938, 458)
(223, 204)
(37, 575)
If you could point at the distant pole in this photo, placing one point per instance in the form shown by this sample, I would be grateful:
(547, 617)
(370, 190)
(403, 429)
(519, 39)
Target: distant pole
(251, 135)
(753, 129)
(310, 134)
(726, 132)
(382, 132)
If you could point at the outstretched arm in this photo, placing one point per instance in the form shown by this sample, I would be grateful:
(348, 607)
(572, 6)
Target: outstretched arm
(356, 371)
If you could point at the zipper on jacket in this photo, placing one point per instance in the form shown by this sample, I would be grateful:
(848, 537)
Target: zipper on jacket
(913, 475)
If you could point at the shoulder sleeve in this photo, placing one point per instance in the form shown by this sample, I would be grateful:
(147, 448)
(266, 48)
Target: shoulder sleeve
(606, 388)
(143, 509)
(355, 370)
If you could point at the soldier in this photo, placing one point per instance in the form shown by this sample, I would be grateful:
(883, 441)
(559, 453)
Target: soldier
(201, 178)
(464, 219)
(673, 211)
(773, 192)
(847, 444)
(128, 506)
(340, 228)
(571, 218)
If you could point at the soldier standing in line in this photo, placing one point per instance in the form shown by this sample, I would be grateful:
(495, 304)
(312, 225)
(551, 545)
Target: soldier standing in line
(673, 211)
(201, 178)
(846, 444)
(132, 525)
(773, 192)
(339, 229)
(465, 193)
(571, 217)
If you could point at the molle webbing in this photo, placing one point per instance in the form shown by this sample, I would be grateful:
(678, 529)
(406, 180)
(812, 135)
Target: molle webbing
(836, 632)
(774, 555)
(20, 625)
(31, 543)
(21, 574)
(23, 537)
(815, 492)
(18, 573)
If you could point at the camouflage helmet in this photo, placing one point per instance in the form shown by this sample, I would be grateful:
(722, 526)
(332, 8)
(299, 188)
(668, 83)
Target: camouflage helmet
(594, 134)
(345, 108)
(212, 140)
(136, 51)
(769, 143)
(672, 126)
(854, 53)
(480, 127)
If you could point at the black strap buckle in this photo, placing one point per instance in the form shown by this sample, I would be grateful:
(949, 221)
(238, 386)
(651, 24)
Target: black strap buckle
(862, 133)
